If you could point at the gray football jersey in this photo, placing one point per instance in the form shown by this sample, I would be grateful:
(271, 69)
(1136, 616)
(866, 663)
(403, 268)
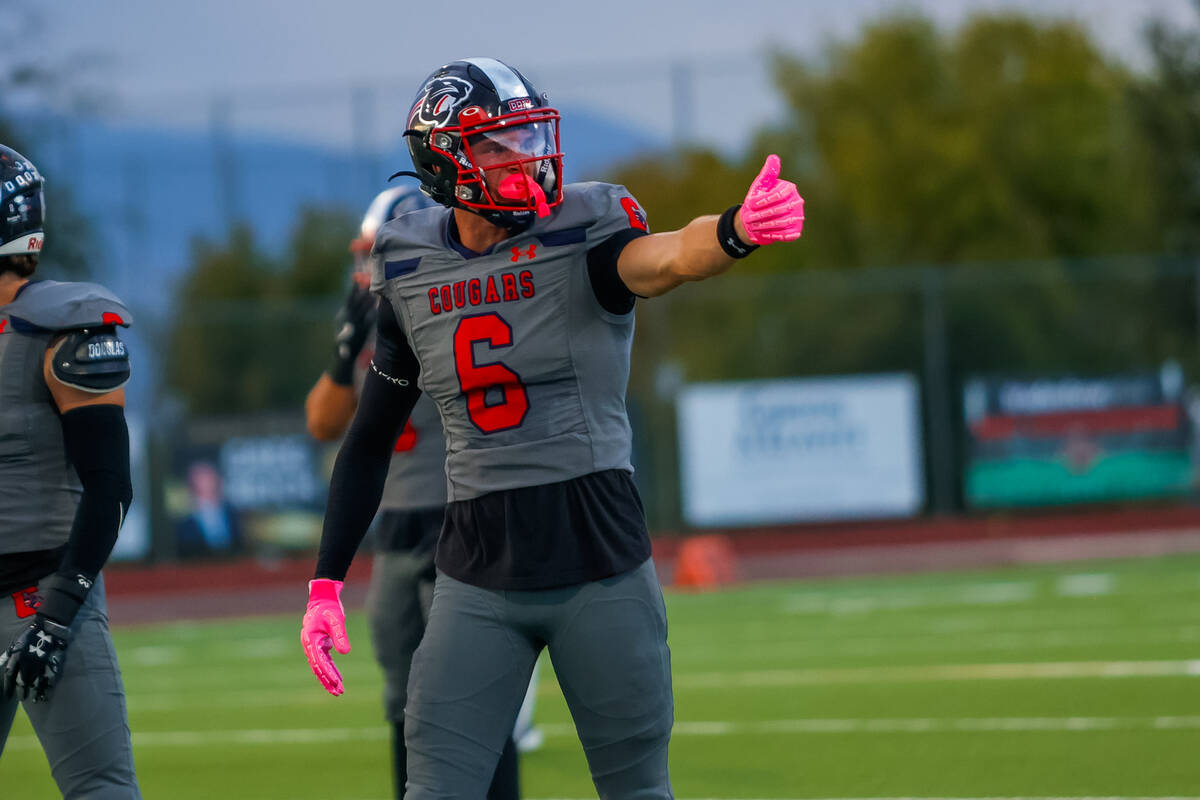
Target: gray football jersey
(417, 474)
(527, 369)
(39, 489)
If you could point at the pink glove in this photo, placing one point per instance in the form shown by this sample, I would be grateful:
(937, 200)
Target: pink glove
(324, 628)
(773, 210)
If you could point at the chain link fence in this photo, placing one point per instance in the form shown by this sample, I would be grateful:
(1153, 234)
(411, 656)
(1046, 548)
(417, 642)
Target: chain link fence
(1075, 332)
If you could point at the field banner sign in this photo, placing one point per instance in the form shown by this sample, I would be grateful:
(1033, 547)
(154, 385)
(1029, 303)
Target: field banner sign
(780, 451)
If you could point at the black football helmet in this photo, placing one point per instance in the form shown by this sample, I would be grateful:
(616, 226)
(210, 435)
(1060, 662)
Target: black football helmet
(22, 207)
(479, 119)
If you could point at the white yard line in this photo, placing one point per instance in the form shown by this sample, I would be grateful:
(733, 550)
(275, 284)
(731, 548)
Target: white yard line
(909, 725)
(974, 641)
(942, 672)
(1112, 797)
(162, 698)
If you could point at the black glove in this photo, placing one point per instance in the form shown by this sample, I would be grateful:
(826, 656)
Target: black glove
(353, 323)
(33, 663)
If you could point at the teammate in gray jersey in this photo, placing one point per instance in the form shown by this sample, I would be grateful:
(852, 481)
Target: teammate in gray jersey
(411, 511)
(64, 491)
(512, 309)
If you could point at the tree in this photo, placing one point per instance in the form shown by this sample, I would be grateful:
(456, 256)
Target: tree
(1166, 109)
(1005, 139)
(253, 331)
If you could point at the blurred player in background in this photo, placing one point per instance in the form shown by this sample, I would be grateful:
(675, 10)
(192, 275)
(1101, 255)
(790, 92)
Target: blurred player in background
(512, 308)
(414, 497)
(64, 492)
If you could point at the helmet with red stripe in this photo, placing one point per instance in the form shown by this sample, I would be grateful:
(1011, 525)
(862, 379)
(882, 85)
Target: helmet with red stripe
(484, 139)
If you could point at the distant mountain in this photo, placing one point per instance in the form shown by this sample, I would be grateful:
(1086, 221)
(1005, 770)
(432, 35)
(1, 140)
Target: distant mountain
(150, 192)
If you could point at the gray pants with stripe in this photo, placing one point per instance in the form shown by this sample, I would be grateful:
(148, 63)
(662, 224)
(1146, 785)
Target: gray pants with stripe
(608, 643)
(83, 728)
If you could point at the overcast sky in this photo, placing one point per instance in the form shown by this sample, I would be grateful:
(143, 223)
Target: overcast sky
(288, 67)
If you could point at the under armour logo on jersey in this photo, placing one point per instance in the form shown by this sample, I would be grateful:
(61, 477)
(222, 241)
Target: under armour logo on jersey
(528, 252)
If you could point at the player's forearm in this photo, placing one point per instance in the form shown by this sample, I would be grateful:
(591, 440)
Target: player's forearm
(656, 264)
(701, 256)
(96, 440)
(360, 471)
(329, 408)
(355, 490)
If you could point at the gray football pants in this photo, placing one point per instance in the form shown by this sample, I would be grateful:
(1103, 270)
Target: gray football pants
(398, 600)
(83, 728)
(608, 643)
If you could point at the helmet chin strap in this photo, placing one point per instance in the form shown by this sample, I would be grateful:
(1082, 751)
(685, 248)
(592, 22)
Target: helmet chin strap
(520, 186)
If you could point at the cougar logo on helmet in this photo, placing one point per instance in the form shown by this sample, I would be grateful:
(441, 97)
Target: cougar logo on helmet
(442, 96)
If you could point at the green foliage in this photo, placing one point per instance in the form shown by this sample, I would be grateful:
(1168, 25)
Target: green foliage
(1166, 108)
(252, 332)
(1006, 139)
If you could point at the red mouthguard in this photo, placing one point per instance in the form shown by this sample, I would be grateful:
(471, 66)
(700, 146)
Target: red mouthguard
(520, 186)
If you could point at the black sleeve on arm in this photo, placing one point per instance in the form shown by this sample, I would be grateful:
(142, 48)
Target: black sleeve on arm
(96, 440)
(360, 471)
(611, 292)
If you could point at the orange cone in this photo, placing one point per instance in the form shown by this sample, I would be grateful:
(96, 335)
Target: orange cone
(704, 562)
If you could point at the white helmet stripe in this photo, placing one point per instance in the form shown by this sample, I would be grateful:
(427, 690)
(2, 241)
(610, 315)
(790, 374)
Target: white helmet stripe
(30, 242)
(508, 84)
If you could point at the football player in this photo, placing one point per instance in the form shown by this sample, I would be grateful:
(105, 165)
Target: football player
(64, 491)
(410, 516)
(512, 308)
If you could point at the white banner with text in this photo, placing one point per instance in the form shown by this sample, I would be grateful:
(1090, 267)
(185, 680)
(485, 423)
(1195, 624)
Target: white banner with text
(779, 451)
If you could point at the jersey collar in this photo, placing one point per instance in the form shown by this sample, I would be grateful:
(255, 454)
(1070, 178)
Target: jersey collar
(459, 247)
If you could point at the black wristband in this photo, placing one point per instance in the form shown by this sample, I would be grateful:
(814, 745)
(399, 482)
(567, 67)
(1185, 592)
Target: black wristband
(731, 243)
(341, 370)
(63, 595)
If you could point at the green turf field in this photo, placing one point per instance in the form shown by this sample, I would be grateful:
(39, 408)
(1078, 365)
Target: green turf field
(1078, 680)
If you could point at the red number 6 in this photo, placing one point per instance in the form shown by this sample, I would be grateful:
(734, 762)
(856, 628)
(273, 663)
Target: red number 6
(477, 379)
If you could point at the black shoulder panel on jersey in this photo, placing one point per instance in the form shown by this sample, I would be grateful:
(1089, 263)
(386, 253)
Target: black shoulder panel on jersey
(55, 306)
(92, 359)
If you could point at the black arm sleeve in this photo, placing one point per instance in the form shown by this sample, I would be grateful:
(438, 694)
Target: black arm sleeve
(96, 440)
(611, 292)
(360, 471)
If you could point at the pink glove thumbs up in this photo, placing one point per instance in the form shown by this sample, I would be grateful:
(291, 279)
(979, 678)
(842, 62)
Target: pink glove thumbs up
(773, 210)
